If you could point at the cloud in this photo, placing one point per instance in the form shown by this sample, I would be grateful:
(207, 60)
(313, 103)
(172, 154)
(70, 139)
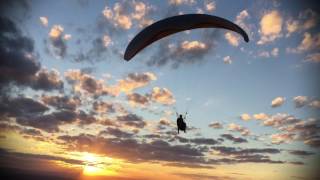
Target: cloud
(307, 19)
(134, 81)
(44, 21)
(275, 52)
(300, 101)
(234, 139)
(155, 150)
(280, 119)
(261, 116)
(116, 133)
(278, 101)
(244, 151)
(232, 38)
(123, 15)
(137, 99)
(266, 54)
(210, 6)
(162, 96)
(227, 60)
(207, 141)
(308, 43)
(19, 65)
(183, 52)
(62, 102)
(47, 80)
(103, 107)
(179, 2)
(270, 27)
(67, 37)
(132, 120)
(314, 57)
(293, 129)
(28, 156)
(282, 138)
(87, 84)
(238, 128)
(57, 41)
(216, 125)
(241, 19)
(107, 40)
(48, 122)
(245, 117)
(301, 153)
(315, 104)
(20, 106)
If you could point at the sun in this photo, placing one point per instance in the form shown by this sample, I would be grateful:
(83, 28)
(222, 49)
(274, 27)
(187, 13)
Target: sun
(95, 165)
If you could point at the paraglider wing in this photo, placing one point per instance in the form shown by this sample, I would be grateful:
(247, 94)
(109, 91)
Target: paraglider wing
(176, 24)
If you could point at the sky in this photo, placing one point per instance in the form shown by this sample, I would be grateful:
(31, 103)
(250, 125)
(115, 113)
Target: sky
(72, 108)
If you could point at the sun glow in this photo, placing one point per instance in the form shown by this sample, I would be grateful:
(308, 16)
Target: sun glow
(95, 165)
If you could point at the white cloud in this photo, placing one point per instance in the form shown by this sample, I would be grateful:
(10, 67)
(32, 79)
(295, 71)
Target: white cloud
(67, 37)
(227, 60)
(270, 27)
(245, 117)
(275, 52)
(300, 101)
(193, 45)
(124, 15)
(261, 116)
(44, 21)
(238, 128)
(162, 95)
(232, 38)
(210, 6)
(278, 101)
(56, 32)
(179, 2)
(106, 40)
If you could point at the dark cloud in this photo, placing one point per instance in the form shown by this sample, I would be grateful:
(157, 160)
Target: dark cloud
(207, 141)
(62, 102)
(48, 122)
(185, 165)
(116, 132)
(59, 47)
(19, 64)
(47, 80)
(20, 106)
(203, 176)
(239, 151)
(103, 107)
(31, 132)
(131, 120)
(85, 118)
(132, 150)
(136, 98)
(5, 154)
(234, 139)
(301, 153)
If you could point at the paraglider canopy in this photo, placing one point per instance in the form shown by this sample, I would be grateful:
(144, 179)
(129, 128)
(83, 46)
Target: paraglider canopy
(171, 25)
